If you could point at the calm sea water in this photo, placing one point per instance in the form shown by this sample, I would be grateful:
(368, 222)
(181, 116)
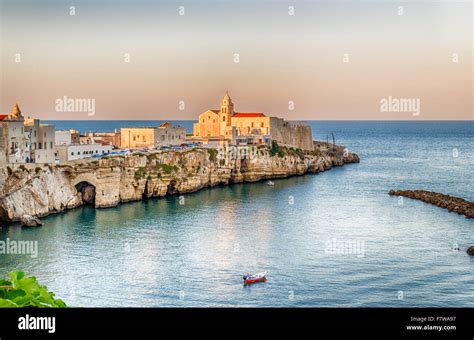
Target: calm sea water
(161, 253)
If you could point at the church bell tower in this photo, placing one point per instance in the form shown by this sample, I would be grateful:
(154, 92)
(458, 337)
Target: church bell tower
(227, 110)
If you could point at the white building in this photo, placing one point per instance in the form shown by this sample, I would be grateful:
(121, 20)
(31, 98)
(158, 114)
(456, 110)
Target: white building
(66, 137)
(81, 151)
(40, 141)
(25, 141)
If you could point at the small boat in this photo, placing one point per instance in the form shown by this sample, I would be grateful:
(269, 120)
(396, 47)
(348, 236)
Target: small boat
(270, 183)
(260, 277)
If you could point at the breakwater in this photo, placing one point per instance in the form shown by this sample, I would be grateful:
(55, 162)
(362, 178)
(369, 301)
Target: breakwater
(452, 204)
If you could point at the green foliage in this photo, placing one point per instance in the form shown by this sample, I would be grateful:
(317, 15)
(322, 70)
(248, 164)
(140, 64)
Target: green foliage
(276, 150)
(21, 291)
(166, 168)
(212, 154)
(141, 172)
(37, 170)
(222, 162)
(297, 152)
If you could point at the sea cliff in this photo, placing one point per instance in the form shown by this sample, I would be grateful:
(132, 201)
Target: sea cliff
(32, 190)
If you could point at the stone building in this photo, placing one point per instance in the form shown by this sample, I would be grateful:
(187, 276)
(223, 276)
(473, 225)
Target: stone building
(151, 137)
(25, 140)
(66, 137)
(80, 151)
(104, 138)
(41, 141)
(239, 128)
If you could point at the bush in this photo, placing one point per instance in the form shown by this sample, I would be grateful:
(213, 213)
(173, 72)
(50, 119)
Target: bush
(37, 170)
(21, 291)
(276, 150)
(166, 168)
(212, 154)
(141, 172)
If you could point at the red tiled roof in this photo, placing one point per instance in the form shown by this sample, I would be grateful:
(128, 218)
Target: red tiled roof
(2, 117)
(248, 114)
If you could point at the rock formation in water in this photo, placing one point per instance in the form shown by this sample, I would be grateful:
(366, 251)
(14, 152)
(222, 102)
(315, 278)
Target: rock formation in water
(455, 204)
(470, 250)
(34, 190)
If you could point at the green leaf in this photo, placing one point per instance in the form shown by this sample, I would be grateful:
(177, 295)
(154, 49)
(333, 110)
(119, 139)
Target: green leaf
(7, 304)
(27, 292)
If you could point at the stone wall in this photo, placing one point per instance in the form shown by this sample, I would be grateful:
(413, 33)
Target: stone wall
(296, 135)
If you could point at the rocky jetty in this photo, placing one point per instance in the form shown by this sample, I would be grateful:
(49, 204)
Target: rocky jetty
(30, 191)
(453, 204)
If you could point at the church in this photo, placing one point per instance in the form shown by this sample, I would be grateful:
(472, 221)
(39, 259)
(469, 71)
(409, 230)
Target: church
(243, 128)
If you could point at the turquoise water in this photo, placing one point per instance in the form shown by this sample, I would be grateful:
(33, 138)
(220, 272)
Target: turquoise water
(163, 253)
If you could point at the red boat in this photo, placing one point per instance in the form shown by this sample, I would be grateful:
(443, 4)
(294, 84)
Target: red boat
(260, 277)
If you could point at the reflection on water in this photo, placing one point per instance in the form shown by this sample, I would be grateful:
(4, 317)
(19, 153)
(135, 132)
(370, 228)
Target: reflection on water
(163, 253)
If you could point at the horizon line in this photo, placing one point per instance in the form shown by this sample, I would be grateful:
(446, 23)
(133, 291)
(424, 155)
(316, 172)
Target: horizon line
(290, 120)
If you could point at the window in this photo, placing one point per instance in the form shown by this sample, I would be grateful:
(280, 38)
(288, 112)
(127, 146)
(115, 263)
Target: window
(50, 145)
(72, 153)
(251, 124)
(223, 118)
(261, 124)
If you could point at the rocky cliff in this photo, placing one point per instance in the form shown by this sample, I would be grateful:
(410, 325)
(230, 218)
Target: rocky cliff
(34, 190)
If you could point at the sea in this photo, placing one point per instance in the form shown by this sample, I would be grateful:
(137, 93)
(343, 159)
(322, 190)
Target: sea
(335, 239)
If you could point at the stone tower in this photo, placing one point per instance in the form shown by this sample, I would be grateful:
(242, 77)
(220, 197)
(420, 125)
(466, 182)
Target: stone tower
(16, 113)
(227, 110)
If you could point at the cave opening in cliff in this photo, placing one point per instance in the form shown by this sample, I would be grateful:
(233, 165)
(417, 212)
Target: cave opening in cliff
(3, 214)
(87, 191)
(145, 191)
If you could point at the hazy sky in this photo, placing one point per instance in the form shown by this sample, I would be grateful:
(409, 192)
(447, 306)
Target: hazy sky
(282, 57)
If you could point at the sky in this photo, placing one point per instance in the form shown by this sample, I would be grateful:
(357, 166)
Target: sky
(330, 60)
